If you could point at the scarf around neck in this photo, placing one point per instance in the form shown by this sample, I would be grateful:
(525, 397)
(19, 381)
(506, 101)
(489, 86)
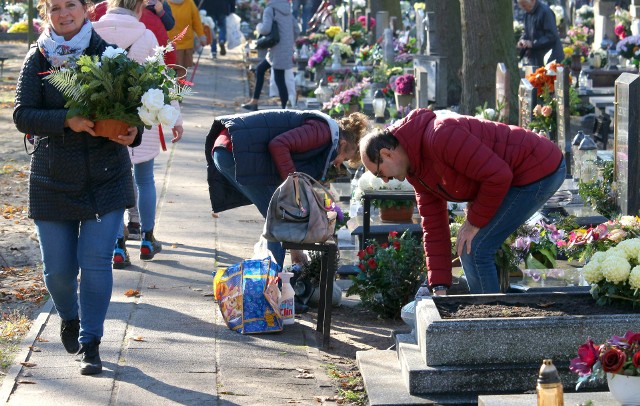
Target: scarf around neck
(59, 51)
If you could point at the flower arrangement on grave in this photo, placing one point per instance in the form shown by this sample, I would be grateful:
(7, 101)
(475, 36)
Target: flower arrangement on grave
(343, 38)
(341, 217)
(629, 47)
(332, 31)
(369, 182)
(390, 273)
(363, 21)
(584, 15)
(113, 86)
(344, 49)
(599, 57)
(302, 40)
(622, 21)
(405, 84)
(558, 11)
(614, 274)
(617, 355)
(582, 244)
(578, 37)
(365, 54)
(544, 78)
(319, 57)
(339, 104)
(544, 116)
(317, 38)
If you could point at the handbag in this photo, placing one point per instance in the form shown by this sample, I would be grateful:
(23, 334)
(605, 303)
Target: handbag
(297, 212)
(272, 38)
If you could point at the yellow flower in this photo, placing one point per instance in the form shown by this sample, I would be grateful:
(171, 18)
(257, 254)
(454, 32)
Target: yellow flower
(332, 31)
(419, 6)
(568, 51)
(634, 278)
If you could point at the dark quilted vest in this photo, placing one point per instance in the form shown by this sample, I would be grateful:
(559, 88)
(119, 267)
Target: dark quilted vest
(250, 135)
(74, 176)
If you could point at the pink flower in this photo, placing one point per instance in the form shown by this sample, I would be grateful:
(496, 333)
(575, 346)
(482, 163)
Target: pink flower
(546, 111)
(537, 110)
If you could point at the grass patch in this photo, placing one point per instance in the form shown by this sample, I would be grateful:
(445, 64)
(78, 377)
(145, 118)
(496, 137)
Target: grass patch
(349, 383)
(13, 326)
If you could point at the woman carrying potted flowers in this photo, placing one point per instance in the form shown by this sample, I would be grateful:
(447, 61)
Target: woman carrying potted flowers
(121, 26)
(80, 182)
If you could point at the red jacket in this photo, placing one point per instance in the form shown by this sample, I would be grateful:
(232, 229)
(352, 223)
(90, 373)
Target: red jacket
(461, 158)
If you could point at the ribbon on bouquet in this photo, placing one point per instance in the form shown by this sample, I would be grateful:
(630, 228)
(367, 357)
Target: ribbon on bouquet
(161, 135)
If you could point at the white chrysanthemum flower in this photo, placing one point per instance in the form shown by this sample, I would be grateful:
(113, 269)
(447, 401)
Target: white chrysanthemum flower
(364, 183)
(634, 278)
(616, 252)
(377, 184)
(405, 185)
(147, 117)
(630, 247)
(615, 269)
(394, 184)
(153, 99)
(592, 272)
(168, 116)
(157, 55)
(112, 52)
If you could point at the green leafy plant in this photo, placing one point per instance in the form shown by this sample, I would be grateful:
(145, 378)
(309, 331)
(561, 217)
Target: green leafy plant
(390, 274)
(600, 194)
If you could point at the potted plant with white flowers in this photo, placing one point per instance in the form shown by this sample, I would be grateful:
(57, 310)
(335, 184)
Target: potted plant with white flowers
(115, 91)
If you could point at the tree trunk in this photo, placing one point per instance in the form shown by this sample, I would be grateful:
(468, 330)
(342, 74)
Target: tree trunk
(487, 38)
(447, 16)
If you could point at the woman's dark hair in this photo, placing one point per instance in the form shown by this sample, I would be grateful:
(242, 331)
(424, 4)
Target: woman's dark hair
(376, 141)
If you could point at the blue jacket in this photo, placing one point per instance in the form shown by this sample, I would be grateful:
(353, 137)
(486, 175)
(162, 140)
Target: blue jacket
(250, 136)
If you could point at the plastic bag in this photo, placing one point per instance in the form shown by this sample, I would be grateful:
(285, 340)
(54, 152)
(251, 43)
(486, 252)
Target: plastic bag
(234, 35)
(289, 80)
(247, 294)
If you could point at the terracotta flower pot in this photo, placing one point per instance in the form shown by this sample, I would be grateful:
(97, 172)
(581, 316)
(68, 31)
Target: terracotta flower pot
(396, 214)
(110, 128)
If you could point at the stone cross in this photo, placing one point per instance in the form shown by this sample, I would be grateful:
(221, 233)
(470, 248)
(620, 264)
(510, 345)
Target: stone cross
(526, 102)
(563, 116)
(502, 90)
(626, 142)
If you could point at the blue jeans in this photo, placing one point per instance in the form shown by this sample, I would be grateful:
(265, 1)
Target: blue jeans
(520, 203)
(221, 26)
(85, 247)
(146, 201)
(260, 195)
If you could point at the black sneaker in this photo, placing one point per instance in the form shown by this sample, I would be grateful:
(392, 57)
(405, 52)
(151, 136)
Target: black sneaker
(69, 333)
(133, 230)
(121, 258)
(223, 50)
(90, 364)
(149, 246)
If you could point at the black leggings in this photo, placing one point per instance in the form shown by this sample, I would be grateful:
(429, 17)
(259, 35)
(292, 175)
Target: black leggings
(261, 69)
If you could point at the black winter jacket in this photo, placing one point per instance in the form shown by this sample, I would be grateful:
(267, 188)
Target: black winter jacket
(540, 28)
(250, 135)
(74, 176)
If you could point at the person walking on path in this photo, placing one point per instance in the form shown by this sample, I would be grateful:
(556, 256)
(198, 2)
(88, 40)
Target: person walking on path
(186, 15)
(79, 184)
(271, 144)
(219, 10)
(122, 27)
(540, 34)
(506, 174)
(280, 57)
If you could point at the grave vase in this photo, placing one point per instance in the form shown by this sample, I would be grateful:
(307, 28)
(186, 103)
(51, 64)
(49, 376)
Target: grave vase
(576, 66)
(624, 389)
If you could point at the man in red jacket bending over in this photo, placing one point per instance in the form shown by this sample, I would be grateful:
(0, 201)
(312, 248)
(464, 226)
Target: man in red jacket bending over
(506, 173)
